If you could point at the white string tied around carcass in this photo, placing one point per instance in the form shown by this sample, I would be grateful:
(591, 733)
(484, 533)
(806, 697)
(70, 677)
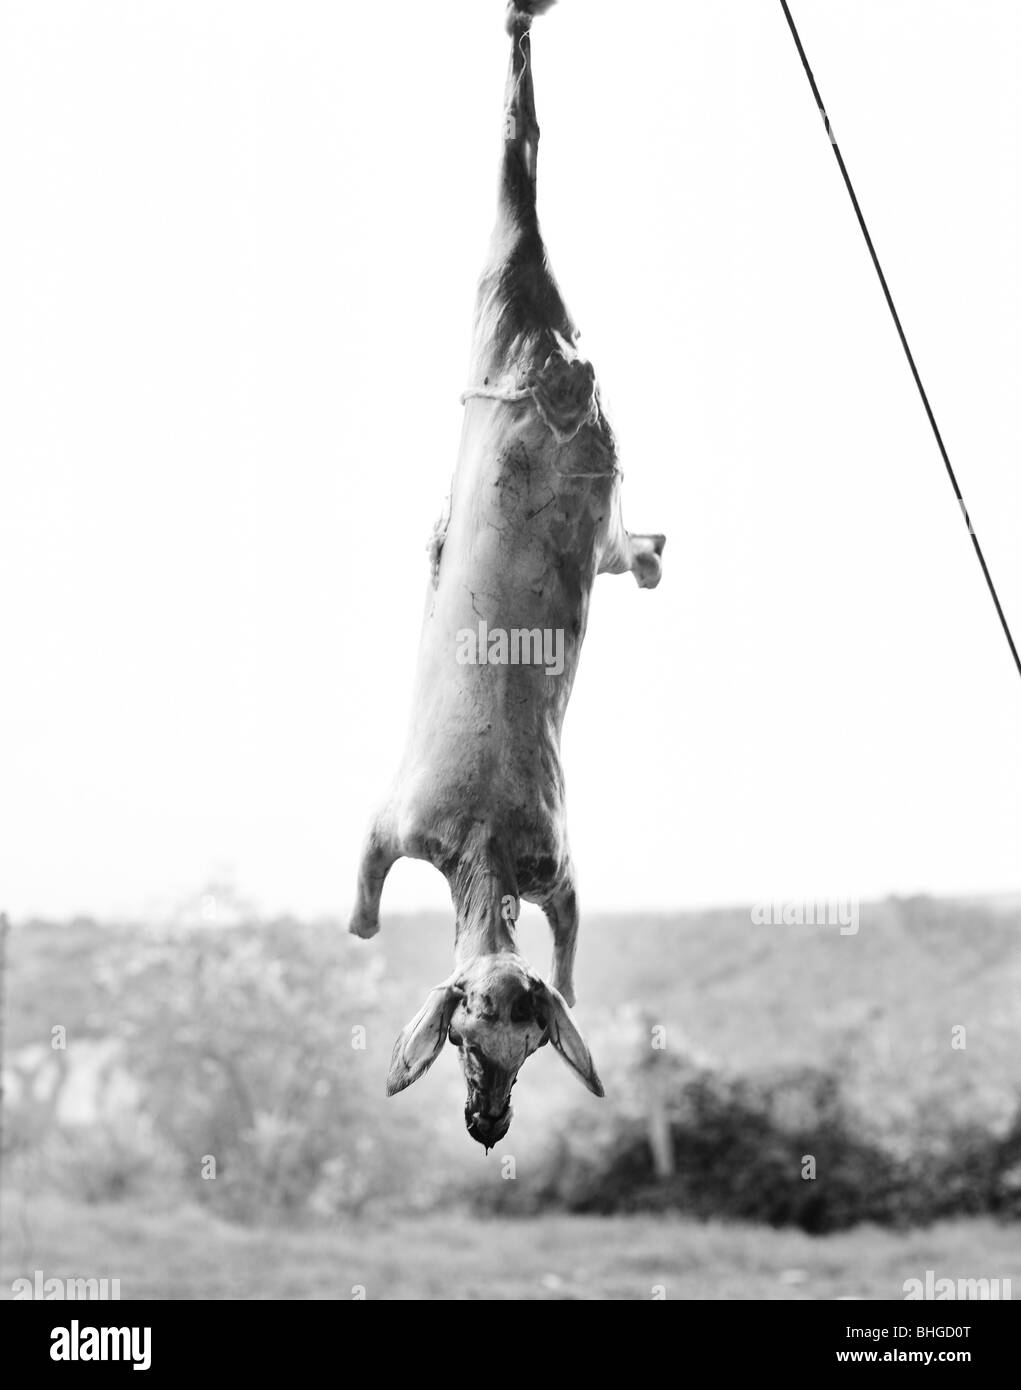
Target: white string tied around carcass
(515, 396)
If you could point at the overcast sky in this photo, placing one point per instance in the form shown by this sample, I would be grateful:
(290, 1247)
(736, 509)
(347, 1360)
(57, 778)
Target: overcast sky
(237, 265)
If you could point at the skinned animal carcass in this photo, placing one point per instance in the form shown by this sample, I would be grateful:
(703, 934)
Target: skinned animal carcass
(532, 518)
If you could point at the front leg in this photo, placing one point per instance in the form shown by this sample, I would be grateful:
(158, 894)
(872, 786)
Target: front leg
(378, 857)
(561, 910)
(436, 541)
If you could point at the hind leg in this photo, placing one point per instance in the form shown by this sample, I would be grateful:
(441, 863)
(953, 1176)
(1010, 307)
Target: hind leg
(521, 130)
(561, 911)
(378, 857)
(625, 550)
(639, 554)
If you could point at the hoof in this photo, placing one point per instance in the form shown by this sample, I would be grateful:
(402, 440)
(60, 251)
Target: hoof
(363, 926)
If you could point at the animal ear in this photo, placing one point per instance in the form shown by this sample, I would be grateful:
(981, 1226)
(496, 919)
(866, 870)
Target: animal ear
(565, 1037)
(420, 1041)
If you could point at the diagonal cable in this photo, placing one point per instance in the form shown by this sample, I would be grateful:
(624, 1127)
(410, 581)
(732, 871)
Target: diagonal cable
(902, 335)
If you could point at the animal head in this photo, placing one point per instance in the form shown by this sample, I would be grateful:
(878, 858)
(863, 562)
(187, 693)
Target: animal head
(496, 1012)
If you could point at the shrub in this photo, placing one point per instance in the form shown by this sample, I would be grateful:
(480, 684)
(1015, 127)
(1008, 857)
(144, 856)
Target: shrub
(738, 1146)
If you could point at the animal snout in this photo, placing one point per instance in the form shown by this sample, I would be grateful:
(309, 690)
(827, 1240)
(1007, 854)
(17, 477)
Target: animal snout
(485, 1128)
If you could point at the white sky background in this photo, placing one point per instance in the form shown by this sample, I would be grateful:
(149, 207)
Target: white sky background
(238, 253)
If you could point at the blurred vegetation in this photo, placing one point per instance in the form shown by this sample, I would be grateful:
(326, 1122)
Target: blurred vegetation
(190, 1254)
(739, 1148)
(263, 1045)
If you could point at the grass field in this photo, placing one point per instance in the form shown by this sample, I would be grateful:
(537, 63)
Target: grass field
(875, 1010)
(187, 1254)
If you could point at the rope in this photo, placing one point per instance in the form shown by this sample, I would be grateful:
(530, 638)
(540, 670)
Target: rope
(494, 393)
(902, 335)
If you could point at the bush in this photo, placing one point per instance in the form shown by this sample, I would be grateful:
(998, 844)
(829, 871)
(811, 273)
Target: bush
(242, 1043)
(739, 1146)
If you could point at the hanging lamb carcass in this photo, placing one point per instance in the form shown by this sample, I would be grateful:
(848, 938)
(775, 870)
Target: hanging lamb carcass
(532, 517)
